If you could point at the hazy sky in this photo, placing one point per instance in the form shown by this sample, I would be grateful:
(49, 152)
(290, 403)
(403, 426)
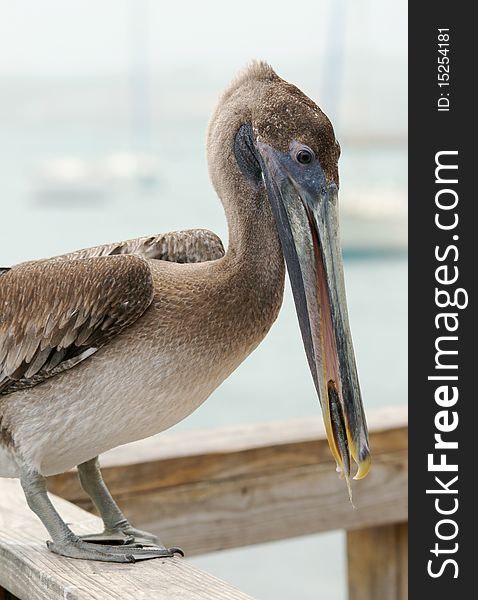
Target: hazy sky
(62, 37)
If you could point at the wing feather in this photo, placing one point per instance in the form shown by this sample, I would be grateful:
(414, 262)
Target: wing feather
(188, 246)
(55, 313)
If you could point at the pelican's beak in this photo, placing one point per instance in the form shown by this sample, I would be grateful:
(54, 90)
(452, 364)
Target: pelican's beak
(306, 213)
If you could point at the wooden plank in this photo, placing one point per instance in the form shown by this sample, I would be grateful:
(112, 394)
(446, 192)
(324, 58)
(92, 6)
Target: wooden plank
(241, 485)
(30, 572)
(377, 563)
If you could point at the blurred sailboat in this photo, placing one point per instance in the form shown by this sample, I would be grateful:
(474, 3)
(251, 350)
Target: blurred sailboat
(73, 180)
(374, 221)
(67, 180)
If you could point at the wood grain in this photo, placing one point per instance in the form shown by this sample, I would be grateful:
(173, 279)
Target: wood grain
(377, 563)
(30, 572)
(241, 485)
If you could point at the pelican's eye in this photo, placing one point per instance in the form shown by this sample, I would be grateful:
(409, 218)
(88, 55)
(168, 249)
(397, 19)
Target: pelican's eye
(304, 156)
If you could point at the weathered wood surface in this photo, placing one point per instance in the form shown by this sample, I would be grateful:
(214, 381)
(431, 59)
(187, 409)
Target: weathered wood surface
(377, 560)
(30, 572)
(216, 489)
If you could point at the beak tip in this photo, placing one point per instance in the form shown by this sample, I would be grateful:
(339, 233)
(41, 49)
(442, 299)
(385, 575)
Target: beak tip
(363, 467)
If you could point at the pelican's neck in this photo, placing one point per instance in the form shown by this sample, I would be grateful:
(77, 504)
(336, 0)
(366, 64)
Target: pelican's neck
(254, 244)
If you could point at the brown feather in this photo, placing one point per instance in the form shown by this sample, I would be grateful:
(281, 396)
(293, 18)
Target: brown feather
(57, 312)
(39, 306)
(188, 246)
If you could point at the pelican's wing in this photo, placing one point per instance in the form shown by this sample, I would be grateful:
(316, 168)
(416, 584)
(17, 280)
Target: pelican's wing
(56, 313)
(189, 246)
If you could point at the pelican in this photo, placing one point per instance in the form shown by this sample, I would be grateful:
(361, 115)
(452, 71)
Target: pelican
(112, 344)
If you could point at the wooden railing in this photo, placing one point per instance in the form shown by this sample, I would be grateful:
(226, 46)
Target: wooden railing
(30, 572)
(217, 489)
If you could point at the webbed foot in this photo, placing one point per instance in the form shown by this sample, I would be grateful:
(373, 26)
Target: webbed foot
(74, 547)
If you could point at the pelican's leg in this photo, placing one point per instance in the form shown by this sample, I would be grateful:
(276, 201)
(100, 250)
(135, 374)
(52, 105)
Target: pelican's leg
(117, 527)
(67, 543)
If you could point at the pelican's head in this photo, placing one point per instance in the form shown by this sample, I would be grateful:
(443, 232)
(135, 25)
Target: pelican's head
(284, 145)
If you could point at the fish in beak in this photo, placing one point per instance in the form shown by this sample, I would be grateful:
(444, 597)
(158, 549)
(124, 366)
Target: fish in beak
(305, 208)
